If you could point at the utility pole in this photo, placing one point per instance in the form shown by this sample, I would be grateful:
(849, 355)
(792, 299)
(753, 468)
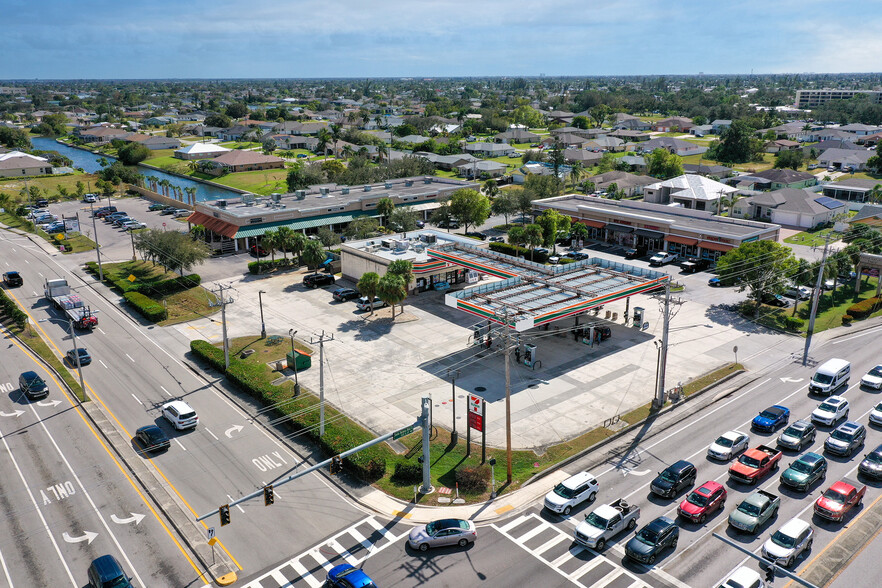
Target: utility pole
(816, 296)
(97, 246)
(321, 343)
(222, 302)
(659, 400)
(507, 401)
(453, 375)
(426, 423)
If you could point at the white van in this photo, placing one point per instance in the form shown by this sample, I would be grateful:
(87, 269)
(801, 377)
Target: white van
(830, 376)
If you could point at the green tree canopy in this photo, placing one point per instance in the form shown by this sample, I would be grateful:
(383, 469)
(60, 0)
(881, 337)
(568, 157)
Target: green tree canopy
(789, 158)
(505, 204)
(313, 254)
(544, 186)
(533, 237)
(392, 290)
(368, 285)
(757, 267)
(173, 250)
(737, 144)
(218, 120)
(664, 164)
(385, 206)
(133, 153)
(403, 219)
(237, 110)
(470, 207)
(328, 237)
(362, 228)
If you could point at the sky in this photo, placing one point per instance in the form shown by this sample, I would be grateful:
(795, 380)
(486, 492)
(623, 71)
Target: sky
(97, 39)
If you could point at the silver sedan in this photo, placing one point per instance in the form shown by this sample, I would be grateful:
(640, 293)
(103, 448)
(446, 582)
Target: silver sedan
(442, 532)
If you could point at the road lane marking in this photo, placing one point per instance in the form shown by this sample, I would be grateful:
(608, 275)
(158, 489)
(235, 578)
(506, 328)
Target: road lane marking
(237, 506)
(3, 563)
(130, 357)
(102, 330)
(136, 398)
(104, 364)
(207, 430)
(179, 443)
(169, 393)
(873, 331)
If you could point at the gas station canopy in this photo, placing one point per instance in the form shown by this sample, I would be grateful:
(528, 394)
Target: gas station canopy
(534, 294)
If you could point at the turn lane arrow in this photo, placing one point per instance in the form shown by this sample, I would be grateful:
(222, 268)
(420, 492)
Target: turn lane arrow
(234, 429)
(89, 536)
(135, 518)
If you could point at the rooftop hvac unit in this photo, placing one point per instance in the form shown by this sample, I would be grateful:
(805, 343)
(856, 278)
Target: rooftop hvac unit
(300, 194)
(400, 244)
(371, 248)
(367, 188)
(221, 203)
(323, 191)
(427, 180)
(386, 243)
(276, 197)
(427, 238)
(408, 183)
(344, 191)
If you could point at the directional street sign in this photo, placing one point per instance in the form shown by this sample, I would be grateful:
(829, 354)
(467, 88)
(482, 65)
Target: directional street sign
(402, 432)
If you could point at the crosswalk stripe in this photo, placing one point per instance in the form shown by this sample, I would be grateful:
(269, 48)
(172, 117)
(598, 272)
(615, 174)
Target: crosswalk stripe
(512, 524)
(532, 533)
(570, 554)
(550, 543)
(279, 577)
(304, 573)
(586, 568)
(344, 553)
(361, 539)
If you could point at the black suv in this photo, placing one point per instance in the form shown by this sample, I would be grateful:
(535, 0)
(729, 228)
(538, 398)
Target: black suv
(694, 264)
(673, 479)
(636, 252)
(316, 280)
(12, 279)
(33, 386)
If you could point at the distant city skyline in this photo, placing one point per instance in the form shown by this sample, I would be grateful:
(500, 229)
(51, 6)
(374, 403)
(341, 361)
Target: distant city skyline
(53, 39)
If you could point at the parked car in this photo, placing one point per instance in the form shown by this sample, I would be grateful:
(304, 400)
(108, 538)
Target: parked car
(156, 206)
(846, 439)
(477, 235)
(805, 471)
(800, 433)
(448, 225)
(703, 502)
(181, 212)
(85, 358)
(32, 386)
(662, 258)
(831, 411)
(180, 415)
(258, 251)
(152, 438)
(348, 576)
(728, 445)
(90, 198)
(364, 303)
(121, 220)
(344, 294)
(168, 210)
(635, 252)
(873, 378)
(652, 539)
(571, 493)
(442, 532)
(789, 542)
(315, 280)
(134, 225)
(770, 419)
(105, 572)
(714, 282)
(104, 211)
(694, 264)
(798, 292)
(755, 463)
(54, 228)
(775, 300)
(673, 479)
(12, 279)
(871, 465)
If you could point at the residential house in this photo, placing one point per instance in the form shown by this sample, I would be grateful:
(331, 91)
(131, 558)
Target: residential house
(158, 121)
(448, 162)
(854, 190)
(413, 139)
(517, 136)
(294, 141)
(612, 144)
(829, 135)
(18, 164)
(689, 191)
(860, 129)
(482, 169)
(192, 117)
(519, 176)
(787, 178)
(672, 145)
(264, 126)
(200, 151)
(779, 145)
(491, 149)
(829, 144)
(718, 171)
(633, 136)
(635, 163)
(871, 215)
(789, 207)
(154, 142)
(632, 124)
(673, 124)
(870, 140)
(566, 140)
(291, 127)
(701, 130)
(239, 133)
(238, 160)
(586, 158)
(720, 125)
(101, 135)
(630, 183)
(560, 116)
(791, 130)
(845, 159)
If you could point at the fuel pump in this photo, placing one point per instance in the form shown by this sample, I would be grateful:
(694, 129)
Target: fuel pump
(529, 354)
(638, 317)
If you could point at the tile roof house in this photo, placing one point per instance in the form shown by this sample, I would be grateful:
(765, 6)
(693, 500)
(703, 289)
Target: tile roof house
(605, 144)
(672, 145)
(238, 132)
(672, 124)
(631, 124)
(720, 125)
(448, 162)
(871, 214)
(860, 129)
(636, 163)
(284, 141)
(18, 164)
(787, 178)
(153, 142)
(632, 184)
(567, 140)
(629, 135)
(481, 169)
(780, 145)
(689, 191)
(239, 160)
(845, 158)
(822, 146)
(586, 158)
(517, 136)
(720, 171)
(490, 149)
(101, 134)
(789, 207)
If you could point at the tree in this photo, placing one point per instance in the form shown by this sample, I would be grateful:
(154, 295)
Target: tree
(368, 286)
(556, 156)
(133, 153)
(102, 161)
(313, 254)
(173, 250)
(237, 110)
(579, 231)
(607, 163)
(875, 162)
(523, 199)
(599, 113)
(297, 243)
(491, 188)
(362, 228)
(403, 219)
(757, 267)
(789, 158)
(335, 136)
(285, 234)
(663, 164)
(391, 289)
(470, 207)
(402, 268)
(577, 170)
(737, 144)
(327, 237)
(268, 146)
(504, 204)
(81, 189)
(516, 236)
(581, 122)
(533, 237)
(543, 186)
(218, 120)
(271, 242)
(553, 223)
(324, 137)
(385, 206)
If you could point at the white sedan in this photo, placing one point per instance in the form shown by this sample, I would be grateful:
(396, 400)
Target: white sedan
(873, 379)
(728, 445)
(876, 415)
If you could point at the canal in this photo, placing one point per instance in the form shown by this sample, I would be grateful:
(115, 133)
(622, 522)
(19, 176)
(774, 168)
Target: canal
(88, 161)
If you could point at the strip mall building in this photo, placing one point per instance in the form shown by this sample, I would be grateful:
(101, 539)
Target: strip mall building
(687, 232)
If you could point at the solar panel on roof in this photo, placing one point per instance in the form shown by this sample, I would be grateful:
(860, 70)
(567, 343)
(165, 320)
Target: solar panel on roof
(828, 202)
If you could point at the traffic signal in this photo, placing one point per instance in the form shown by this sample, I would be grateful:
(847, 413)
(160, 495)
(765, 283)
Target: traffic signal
(268, 497)
(770, 574)
(336, 465)
(224, 512)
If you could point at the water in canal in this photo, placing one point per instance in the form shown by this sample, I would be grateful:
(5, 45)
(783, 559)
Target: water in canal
(89, 162)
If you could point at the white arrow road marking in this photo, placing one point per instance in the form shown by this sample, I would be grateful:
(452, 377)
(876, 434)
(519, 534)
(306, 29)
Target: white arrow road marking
(636, 473)
(49, 403)
(89, 536)
(17, 413)
(135, 518)
(234, 429)
(793, 380)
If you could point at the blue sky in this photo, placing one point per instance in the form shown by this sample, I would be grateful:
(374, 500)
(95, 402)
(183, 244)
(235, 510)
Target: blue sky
(53, 39)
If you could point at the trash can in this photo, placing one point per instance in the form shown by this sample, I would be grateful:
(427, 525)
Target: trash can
(304, 360)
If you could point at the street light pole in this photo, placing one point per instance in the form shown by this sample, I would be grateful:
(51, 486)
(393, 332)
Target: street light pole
(262, 324)
(292, 332)
(97, 246)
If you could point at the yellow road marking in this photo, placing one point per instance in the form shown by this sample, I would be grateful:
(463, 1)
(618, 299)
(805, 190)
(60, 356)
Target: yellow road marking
(401, 514)
(504, 509)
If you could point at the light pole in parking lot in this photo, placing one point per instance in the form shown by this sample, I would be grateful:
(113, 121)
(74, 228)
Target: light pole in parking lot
(97, 246)
(262, 324)
(292, 332)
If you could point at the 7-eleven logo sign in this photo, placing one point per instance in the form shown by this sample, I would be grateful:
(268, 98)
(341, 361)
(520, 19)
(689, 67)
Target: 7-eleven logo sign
(475, 414)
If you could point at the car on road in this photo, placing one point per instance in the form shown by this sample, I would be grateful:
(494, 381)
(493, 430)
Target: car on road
(572, 492)
(871, 465)
(348, 576)
(775, 300)
(180, 415)
(32, 386)
(364, 303)
(168, 210)
(770, 419)
(156, 206)
(843, 496)
(743, 577)
(442, 532)
(800, 433)
(846, 439)
(12, 279)
(316, 280)
(105, 572)
(831, 411)
(448, 225)
(258, 251)
(652, 539)
(728, 445)
(344, 294)
(85, 358)
(789, 542)
(703, 502)
(635, 252)
(662, 258)
(673, 479)
(805, 471)
(715, 282)
(152, 438)
(42, 202)
(873, 378)
(754, 511)
(876, 415)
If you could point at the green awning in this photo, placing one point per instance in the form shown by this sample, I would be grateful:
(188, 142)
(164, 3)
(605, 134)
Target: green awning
(299, 225)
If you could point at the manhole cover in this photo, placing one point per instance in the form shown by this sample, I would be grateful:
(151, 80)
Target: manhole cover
(480, 389)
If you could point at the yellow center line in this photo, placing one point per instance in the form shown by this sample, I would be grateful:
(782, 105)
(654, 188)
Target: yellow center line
(123, 429)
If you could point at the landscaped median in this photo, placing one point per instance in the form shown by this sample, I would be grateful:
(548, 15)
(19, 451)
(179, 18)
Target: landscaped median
(397, 475)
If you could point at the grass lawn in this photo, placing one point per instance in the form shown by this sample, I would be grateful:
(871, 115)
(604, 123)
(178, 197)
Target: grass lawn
(77, 241)
(159, 153)
(859, 175)
(239, 145)
(263, 182)
(511, 162)
(813, 238)
(50, 183)
(830, 311)
(443, 173)
(169, 163)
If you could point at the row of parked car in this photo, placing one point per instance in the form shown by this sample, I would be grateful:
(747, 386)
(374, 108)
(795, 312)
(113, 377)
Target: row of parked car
(169, 209)
(118, 218)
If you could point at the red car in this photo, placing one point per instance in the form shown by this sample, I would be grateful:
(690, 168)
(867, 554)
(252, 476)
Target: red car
(702, 502)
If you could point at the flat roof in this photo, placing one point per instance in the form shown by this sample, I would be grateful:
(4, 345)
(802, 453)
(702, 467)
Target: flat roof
(411, 246)
(673, 217)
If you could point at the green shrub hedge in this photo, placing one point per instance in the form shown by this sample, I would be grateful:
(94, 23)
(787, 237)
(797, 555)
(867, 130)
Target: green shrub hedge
(147, 307)
(516, 251)
(864, 308)
(9, 308)
(259, 267)
(473, 479)
(341, 433)
(407, 472)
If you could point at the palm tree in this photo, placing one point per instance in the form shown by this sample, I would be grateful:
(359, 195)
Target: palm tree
(382, 152)
(191, 193)
(324, 137)
(533, 237)
(576, 172)
(335, 136)
(491, 188)
(285, 234)
(368, 286)
(297, 243)
(347, 151)
(875, 194)
(392, 290)
(270, 242)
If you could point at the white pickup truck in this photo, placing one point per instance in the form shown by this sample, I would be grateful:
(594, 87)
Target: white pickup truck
(605, 522)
